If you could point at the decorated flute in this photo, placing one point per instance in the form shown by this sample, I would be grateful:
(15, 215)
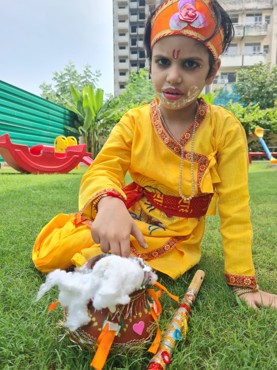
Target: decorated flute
(177, 329)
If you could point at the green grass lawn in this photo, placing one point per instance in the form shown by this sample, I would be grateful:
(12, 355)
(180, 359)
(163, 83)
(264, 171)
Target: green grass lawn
(223, 333)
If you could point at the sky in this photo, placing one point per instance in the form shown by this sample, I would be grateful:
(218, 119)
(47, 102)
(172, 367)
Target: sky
(39, 37)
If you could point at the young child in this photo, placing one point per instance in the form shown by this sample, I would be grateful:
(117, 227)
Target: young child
(182, 155)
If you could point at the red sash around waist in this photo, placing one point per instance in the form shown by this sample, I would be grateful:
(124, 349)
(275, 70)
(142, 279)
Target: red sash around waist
(169, 204)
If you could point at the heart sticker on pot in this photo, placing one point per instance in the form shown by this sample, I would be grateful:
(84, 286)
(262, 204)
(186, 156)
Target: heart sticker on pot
(139, 327)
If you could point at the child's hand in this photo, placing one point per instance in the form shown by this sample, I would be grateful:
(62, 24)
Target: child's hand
(260, 299)
(113, 226)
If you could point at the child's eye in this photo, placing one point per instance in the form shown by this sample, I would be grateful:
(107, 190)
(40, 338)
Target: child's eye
(163, 62)
(191, 64)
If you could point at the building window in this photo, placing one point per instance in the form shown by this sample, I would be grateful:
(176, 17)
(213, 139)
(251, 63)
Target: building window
(122, 73)
(141, 2)
(267, 19)
(122, 47)
(133, 29)
(232, 50)
(141, 65)
(141, 15)
(122, 60)
(134, 64)
(253, 18)
(122, 34)
(133, 42)
(142, 54)
(215, 81)
(228, 77)
(266, 49)
(122, 86)
(234, 18)
(250, 49)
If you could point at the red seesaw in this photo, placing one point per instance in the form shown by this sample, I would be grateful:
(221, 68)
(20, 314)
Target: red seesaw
(40, 159)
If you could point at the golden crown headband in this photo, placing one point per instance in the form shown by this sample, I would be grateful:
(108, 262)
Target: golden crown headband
(191, 18)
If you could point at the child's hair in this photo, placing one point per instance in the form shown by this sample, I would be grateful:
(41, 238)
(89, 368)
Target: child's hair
(222, 20)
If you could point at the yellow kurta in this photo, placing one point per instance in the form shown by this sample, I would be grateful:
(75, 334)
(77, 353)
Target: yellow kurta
(139, 144)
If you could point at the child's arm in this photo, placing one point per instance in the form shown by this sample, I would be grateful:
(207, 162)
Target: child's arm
(235, 220)
(113, 226)
(233, 206)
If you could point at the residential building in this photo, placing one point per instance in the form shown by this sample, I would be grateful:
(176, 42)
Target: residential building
(255, 40)
(129, 17)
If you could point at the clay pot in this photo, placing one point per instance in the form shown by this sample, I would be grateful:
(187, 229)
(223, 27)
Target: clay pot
(137, 326)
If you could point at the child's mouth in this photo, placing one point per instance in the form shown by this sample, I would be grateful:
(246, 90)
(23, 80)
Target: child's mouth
(172, 94)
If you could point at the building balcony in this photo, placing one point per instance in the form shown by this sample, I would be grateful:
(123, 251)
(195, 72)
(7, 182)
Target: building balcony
(123, 53)
(133, 5)
(123, 26)
(134, 69)
(123, 12)
(239, 5)
(242, 60)
(133, 56)
(133, 18)
(256, 29)
(250, 60)
(123, 79)
(123, 40)
(141, 30)
(123, 66)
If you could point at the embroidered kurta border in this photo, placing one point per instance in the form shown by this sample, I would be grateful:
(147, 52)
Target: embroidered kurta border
(159, 252)
(200, 159)
(238, 280)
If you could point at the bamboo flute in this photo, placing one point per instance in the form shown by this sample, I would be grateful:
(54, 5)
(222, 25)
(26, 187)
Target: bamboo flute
(177, 328)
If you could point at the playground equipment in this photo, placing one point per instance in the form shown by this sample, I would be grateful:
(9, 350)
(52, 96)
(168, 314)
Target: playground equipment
(61, 143)
(40, 159)
(259, 132)
(71, 140)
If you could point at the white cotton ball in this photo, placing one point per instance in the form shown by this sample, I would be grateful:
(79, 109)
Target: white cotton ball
(118, 278)
(52, 279)
(77, 316)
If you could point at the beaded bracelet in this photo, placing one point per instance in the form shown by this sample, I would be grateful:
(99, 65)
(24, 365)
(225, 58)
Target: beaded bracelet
(108, 193)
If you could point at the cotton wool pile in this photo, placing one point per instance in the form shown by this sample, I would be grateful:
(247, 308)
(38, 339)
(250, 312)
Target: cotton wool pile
(110, 282)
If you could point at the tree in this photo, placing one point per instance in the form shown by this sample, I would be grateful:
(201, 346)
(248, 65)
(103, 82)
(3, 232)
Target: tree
(94, 116)
(138, 91)
(60, 92)
(257, 85)
(252, 116)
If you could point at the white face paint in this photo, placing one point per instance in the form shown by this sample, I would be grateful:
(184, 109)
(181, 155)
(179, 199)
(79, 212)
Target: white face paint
(182, 102)
(179, 71)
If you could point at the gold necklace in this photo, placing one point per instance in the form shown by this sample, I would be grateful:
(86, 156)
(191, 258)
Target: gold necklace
(180, 182)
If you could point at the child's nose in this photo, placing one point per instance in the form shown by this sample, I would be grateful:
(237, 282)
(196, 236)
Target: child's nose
(174, 75)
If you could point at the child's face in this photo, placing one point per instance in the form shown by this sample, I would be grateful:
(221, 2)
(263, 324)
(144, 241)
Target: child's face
(179, 70)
